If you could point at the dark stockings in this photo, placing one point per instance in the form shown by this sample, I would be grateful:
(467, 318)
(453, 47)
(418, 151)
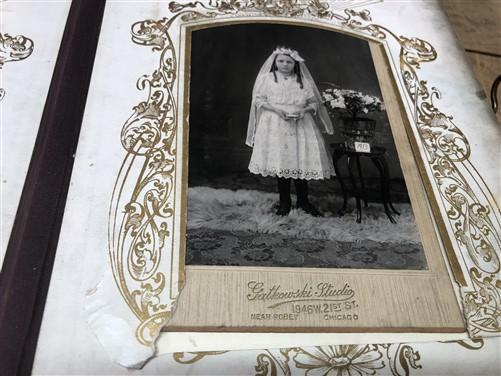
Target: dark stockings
(301, 192)
(284, 190)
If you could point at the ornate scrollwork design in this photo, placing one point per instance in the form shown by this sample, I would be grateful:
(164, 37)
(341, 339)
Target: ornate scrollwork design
(148, 329)
(265, 365)
(277, 8)
(13, 49)
(150, 33)
(288, 8)
(138, 235)
(415, 51)
(273, 362)
(361, 360)
(483, 305)
(193, 357)
(470, 344)
(269, 7)
(472, 212)
(402, 358)
(141, 224)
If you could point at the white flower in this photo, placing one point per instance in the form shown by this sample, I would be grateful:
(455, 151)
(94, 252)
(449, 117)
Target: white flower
(342, 99)
(368, 99)
(337, 103)
(287, 51)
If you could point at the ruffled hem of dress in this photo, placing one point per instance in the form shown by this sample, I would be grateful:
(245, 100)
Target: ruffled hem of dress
(288, 174)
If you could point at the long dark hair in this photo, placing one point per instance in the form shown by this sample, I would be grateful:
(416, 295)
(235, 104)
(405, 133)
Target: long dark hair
(297, 70)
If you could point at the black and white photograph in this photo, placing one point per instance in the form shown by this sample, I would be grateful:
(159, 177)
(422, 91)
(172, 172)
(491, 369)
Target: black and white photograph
(292, 162)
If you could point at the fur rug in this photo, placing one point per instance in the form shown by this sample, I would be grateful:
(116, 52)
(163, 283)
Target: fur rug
(251, 210)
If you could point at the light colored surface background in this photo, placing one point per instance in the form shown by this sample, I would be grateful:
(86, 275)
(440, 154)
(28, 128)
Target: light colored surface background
(26, 84)
(435, 359)
(66, 345)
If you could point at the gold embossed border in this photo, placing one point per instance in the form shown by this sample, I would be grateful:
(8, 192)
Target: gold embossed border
(13, 49)
(141, 222)
(361, 360)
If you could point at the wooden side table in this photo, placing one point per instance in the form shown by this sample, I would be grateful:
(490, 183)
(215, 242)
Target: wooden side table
(378, 157)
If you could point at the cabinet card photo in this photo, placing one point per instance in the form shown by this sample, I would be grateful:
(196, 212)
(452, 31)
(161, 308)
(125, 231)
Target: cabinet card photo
(268, 191)
(303, 202)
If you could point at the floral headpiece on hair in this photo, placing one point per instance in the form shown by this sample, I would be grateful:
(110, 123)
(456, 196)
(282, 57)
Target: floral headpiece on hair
(287, 51)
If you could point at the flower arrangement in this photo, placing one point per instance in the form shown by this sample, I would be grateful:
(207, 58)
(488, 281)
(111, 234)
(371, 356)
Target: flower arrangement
(350, 101)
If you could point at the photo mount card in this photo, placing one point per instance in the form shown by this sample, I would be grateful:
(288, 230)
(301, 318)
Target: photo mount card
(150, 234)
(263, 289)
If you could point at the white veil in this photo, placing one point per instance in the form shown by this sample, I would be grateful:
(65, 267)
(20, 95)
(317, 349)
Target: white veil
(322, 115)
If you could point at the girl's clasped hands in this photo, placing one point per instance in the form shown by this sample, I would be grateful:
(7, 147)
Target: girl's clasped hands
(297, 115)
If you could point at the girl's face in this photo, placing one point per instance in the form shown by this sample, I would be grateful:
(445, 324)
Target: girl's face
(285, 64)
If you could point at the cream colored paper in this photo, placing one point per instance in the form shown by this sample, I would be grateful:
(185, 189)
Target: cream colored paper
(25, 83)
(83, 289)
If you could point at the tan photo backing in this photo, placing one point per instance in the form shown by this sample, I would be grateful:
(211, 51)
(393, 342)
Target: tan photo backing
(272, 299)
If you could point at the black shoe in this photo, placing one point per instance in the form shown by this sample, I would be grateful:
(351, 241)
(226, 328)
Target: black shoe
(283, 209)
(309, 209)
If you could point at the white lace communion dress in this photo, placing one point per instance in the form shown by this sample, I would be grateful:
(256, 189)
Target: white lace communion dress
(288, 148)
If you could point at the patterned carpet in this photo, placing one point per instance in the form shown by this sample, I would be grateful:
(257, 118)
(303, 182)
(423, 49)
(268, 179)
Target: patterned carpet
(218, 247)
(239, 228)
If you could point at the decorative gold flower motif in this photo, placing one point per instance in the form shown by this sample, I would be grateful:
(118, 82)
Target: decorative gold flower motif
(341, 360)
(14, 48)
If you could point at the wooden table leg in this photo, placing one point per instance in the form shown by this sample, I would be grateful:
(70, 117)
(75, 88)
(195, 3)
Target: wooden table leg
(387, 178)
(335, 160)
(384, 186)
(355, 189)
(362, 184)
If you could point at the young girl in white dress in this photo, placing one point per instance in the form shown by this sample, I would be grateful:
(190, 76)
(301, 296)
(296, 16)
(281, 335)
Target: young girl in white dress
(285, 124)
